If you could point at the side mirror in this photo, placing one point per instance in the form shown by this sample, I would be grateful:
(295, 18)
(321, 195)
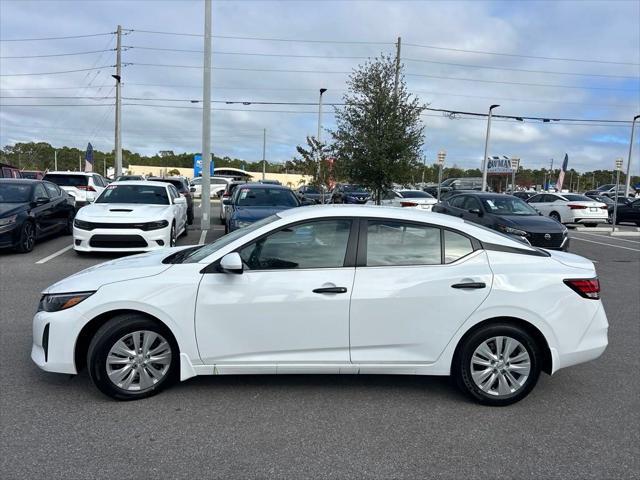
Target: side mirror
(476, 211)
(226, 201)
(41, 200)
(231, 263)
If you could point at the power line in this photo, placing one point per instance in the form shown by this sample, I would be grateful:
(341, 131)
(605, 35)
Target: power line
(54, 38)
(54, 73)
(54, 88)
(57, 105)
(54, 97)
(57, 54)
(249, 54)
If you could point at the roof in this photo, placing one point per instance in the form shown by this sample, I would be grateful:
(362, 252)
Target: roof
(144, 183)
(270, 186)
(71, 172)
(19, 180)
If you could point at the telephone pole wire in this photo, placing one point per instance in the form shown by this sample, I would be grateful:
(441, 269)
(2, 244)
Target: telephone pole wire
(118, 126)
(206, 121)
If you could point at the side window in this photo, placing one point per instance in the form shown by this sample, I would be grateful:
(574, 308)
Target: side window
(54, 190)
(550, 198)
(318, 244)
(455, 246)
(40, 191)
(173, 192)
(390, 195)
(398, 243)
(97, 180)
(471, 203)
(535, 199)
(457, 201)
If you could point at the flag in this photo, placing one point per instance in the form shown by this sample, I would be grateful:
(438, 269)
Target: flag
(562, 172)
(88, 158)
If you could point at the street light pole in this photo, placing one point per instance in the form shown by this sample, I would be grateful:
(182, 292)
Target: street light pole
(206, 121)
(485, 163)
(441, 157)
(615, 205)
(118, 126)
(628, 179)
(515, 163)
(264, 153)
(322, 90)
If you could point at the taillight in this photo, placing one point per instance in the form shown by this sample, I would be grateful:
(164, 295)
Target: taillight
(226, 194)
(604, 207)
(408, 204)
(576, 207)
(585, 287)
(86, 188)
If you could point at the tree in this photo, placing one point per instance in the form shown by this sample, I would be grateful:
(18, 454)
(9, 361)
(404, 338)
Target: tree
(307, 164)
(379, 133)
(173, 172)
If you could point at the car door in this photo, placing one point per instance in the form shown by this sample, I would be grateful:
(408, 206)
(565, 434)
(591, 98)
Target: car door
(59, 205)
(415, 285)
(455, 205)
(179, 209)
(42, 213)
(539, 203)
(289, 309)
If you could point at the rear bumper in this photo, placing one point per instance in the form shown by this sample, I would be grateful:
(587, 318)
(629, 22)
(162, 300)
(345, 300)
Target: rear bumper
(602, 219)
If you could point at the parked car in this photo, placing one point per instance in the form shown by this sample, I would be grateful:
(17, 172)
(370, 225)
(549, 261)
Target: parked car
(609, 190)
(255, 201)
(218, 185)
(406, 198)
(31, 210)
(131, 216)
(524, 195)
(227, 194)
(314, 194)
(348, 193)
(128, 178)
(628, 211)
(83, 187)
(509, 215)
(32, 174)
(182, 185)
(603, 199)
(293, 293)
(570, 208)
(9, 171)
(464, 183)
(266, 181)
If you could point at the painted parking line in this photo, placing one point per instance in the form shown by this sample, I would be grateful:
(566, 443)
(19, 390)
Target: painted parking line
(609, 238)
(607, 244)
(54, 255)
(203, 235)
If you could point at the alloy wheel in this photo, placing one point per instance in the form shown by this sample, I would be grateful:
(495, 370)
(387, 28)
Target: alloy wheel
(172, 238)
(500, 366)
(28, 237)
(138, 361)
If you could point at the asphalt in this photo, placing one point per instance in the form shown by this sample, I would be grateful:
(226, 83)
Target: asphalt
(581, 423)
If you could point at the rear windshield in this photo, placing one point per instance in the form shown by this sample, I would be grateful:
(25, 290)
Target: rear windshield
(415, 194)
(176, 183)
(30, 175)
(15, 192)
(578, 198)
(266, 197)
(124, 193)
(68, 180)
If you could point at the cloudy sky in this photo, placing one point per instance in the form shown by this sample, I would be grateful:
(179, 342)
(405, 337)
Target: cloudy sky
(591, 71)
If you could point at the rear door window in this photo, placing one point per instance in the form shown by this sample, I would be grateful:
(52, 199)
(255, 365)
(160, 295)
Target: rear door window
(391, 243)
(54, 190)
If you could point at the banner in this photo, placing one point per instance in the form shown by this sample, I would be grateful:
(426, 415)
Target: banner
(88, 158)
(562, 172)
(197, 165)
(499, 165)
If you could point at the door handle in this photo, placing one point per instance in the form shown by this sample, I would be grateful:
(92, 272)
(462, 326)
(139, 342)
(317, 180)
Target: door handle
(469, 285)
(330, 290)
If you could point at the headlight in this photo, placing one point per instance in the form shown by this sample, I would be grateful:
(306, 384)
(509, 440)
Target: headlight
(61, 301)
(8, 220)
(513, 231)
(81, 224)
(155, 225)
(241, 223)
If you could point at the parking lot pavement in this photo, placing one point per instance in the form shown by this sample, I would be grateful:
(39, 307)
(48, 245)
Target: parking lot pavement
(581, 423)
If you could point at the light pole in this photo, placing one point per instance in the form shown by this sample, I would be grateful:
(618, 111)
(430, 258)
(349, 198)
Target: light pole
(441, 156)
(628, 179)
(485, 163)
(205, 205)
(619, 162)
(515, 163)
(322, 90)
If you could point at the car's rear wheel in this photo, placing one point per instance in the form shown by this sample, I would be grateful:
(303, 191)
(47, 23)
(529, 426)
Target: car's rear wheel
(27, 238)
(172, 235)
(498, 364)
(555, 216)
(68, 227)
(132, 357)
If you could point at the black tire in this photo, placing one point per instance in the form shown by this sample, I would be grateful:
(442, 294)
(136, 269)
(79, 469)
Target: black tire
(555, 216)
(27, 237)
(190, 216)
(461, 368)
(172, 235)
(185, 232)
(68, 228)
(110, 333)
(590, 225)
(226, 228)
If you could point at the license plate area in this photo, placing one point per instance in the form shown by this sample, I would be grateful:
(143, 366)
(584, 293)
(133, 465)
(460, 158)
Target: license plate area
(593, 209)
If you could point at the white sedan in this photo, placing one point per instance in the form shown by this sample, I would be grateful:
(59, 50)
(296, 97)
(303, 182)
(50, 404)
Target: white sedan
(570, 208)
(131, 216)
(407, 199)
(329, 289)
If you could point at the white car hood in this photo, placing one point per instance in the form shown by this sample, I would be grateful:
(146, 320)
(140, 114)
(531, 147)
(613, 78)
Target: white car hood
(122, 212)
(121, 269)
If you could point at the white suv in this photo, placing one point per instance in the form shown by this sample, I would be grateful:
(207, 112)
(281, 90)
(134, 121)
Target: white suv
(218, 185)
(83, 187)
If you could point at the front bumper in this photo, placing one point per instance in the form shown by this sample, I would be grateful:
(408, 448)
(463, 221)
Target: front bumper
(9, 235)
(53, 347)
(120, 239)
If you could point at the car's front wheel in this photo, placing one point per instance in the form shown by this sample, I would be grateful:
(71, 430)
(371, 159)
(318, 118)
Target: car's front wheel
(27, 237)
(498, 364)
(132, 357)
(172, 235)
(555, 216)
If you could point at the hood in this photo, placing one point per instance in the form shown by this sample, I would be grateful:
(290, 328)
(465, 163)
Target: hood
(572, 260)
(8, 209)
(119, 212)
(253, 214)
(531, 223)
(121, 269)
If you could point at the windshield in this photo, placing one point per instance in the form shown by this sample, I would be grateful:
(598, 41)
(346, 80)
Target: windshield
(354, 188)
(142, 194)
(507, 206)
(14, 193)
(265, 197)
(448, 182)
(602, 199)
(68, 180)
(414, 194)
(578, 198)
(205, 251)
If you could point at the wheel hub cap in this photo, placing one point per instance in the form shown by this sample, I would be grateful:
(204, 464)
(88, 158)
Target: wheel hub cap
(500, 366)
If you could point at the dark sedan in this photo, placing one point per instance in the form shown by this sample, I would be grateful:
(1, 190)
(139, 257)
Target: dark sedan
(347, 193)
(255, 201)
(629, 211)
(509, 215)
(313, 194)
(30, 210)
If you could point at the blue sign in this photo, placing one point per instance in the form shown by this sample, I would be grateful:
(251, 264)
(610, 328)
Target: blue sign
(197, 165)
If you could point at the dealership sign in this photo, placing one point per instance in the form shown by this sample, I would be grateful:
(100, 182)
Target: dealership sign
(498, 165)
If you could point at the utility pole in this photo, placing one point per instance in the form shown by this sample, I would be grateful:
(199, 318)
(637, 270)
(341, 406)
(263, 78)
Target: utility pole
(206, 121)
(441, 156)
(570, 180)
(318, 138)
(398, 45)
(578, 185)
(550, 174)
(264, 152)
(55, 160)
(79, 162)
(424, 166)
(118, 77)
(615, 205)
(485, 162)
(515, 163)
(628, 179)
